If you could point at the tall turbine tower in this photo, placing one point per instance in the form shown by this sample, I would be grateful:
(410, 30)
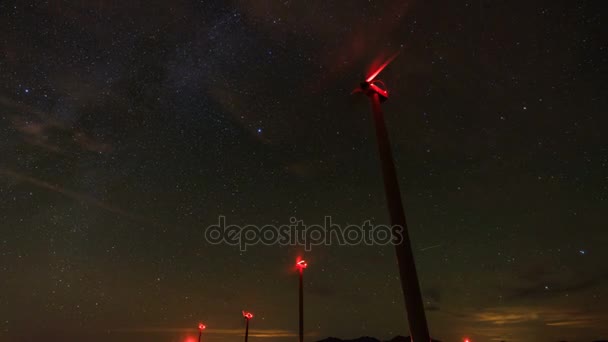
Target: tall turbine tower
(377, 93)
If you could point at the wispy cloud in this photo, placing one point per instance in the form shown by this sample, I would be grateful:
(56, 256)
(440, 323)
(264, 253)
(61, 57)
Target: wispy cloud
(70, 193)
(501, 316)
(543, 315)
(582, 323)
(565, 284)
(40, 129)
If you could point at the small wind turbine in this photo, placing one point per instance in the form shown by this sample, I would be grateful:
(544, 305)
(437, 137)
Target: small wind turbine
(301, 265)
(248, 316)
(201, 327)
(377, 93)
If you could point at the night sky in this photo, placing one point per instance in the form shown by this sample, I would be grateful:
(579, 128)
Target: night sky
(128, 127)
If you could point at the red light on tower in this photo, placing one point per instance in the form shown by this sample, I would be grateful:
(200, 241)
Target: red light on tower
(301, 264)
(466, 339)
(201, 327)
(248, 316)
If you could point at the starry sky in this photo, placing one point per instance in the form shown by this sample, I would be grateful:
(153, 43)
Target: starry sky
(128, 127)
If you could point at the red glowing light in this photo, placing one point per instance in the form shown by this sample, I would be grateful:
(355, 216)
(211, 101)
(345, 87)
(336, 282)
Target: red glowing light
(201, 326)
(375, 73)
(301, 264)
(467, 340)
(247, 315)
(382, 92)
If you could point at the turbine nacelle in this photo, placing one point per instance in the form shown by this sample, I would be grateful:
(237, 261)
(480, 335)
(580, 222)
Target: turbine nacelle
(247, 315)
(374, 87)
(371, 85)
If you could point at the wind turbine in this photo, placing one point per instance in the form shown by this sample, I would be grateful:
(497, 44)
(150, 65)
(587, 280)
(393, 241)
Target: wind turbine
(248, 316)
(376, 91)
(201, 327)
(301, 265)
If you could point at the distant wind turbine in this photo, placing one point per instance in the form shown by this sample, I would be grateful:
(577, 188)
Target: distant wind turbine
(248, 316)
(301, 265)
(201, 327)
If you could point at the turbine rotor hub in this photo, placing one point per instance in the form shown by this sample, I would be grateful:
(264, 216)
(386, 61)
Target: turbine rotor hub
(375, 87)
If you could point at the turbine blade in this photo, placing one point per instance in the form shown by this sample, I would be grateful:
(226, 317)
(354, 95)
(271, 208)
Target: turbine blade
(373, 75)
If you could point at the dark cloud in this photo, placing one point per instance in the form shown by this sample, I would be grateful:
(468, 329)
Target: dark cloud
(547, 287)
(432, 299)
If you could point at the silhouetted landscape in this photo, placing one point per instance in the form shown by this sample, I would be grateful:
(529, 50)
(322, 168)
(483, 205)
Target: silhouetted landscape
(370, 339)
(400, 339)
